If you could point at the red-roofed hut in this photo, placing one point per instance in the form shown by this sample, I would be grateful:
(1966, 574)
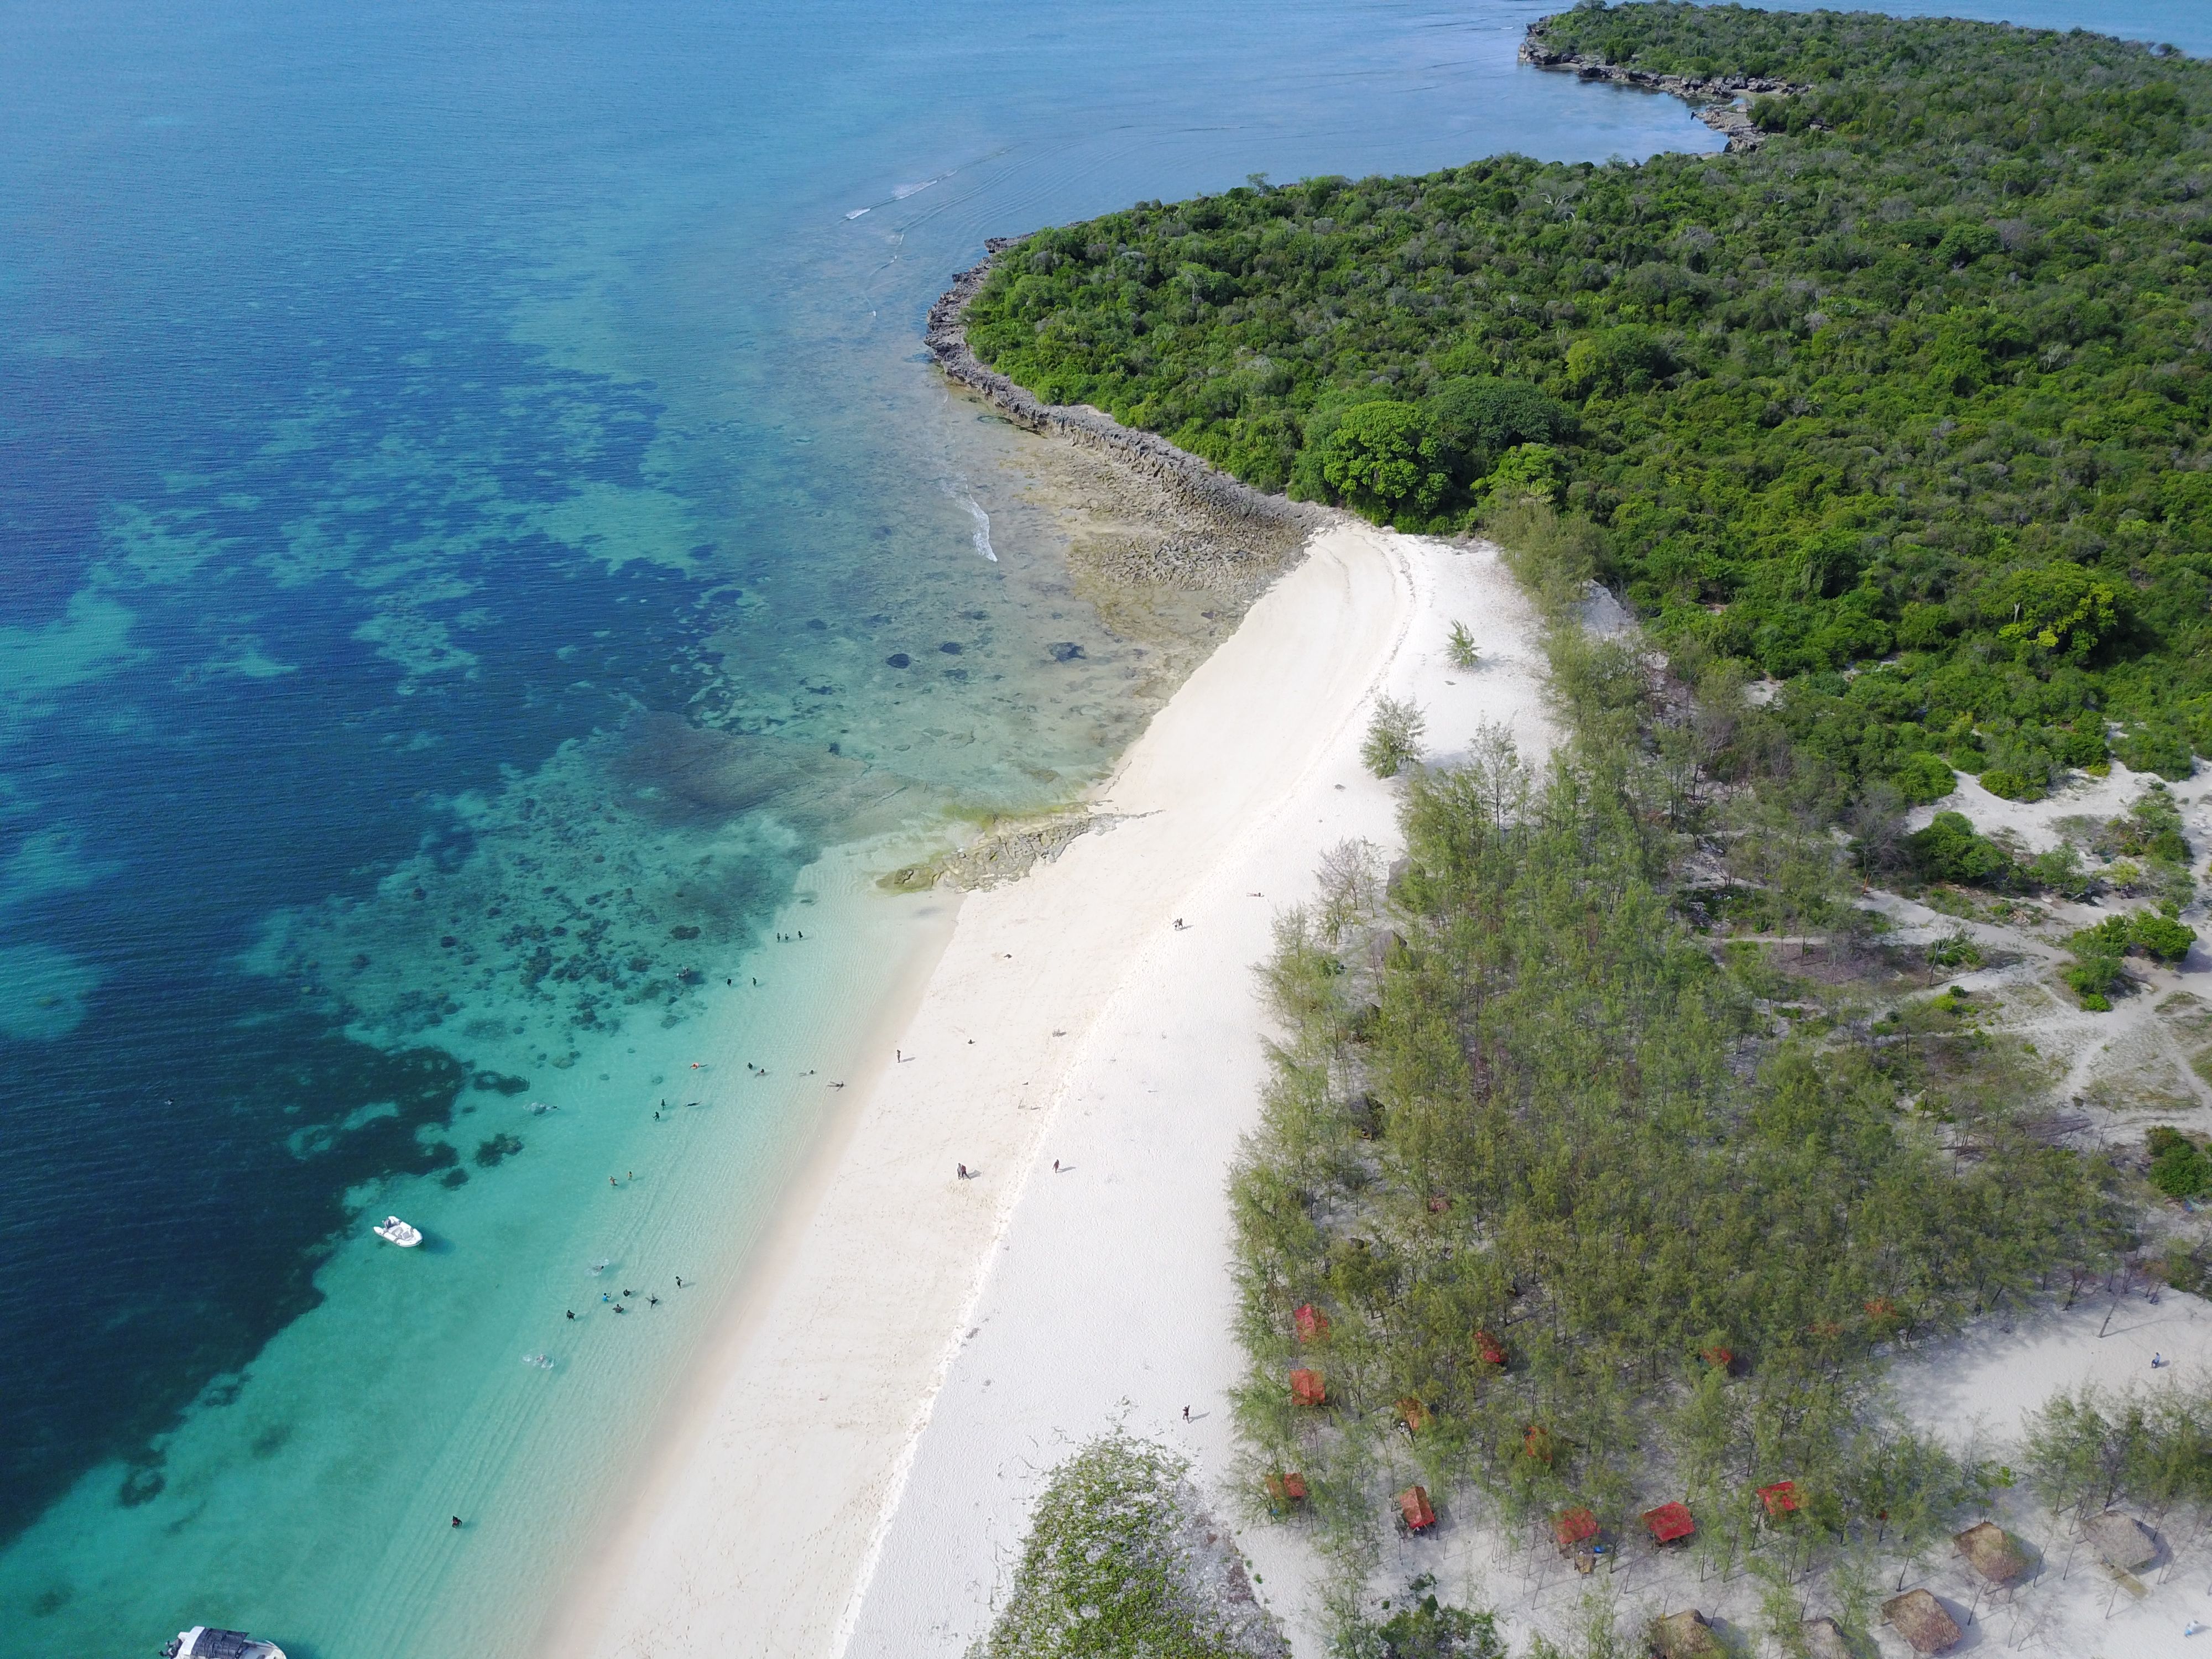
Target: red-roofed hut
(1311, 1323)
(1307, 1388)
(1719, 1357)
(1488, 1349)
(1670, 1522)
(1288, 1487)
(1780, 1499)
(1576, 1532)
(1574, 1527)
(1413, 1414)
(1536, 1443)
(1413, 1505)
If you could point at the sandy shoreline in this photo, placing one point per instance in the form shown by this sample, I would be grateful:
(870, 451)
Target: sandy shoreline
(778, 1490)
(1109, 1298)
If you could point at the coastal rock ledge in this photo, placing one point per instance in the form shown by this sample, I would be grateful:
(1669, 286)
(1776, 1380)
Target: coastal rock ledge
(1716, 99)
(1235, 507)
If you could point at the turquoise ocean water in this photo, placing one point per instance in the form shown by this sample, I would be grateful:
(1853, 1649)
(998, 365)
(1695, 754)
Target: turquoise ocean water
(486, 570)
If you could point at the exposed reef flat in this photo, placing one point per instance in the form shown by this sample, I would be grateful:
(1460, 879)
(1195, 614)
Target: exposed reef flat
(1183, 524)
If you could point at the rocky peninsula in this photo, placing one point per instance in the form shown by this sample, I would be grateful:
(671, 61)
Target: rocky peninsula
(1719, 102)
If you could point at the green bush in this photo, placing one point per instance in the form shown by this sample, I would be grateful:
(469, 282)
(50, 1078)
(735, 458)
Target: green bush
(1478, 417)
(2179, 1167)
(1949, 849)
(1957, 952)
(1461, 648)
(2060, 870)
(1427, 1629)
(1394, 737)
(2092, 978)
(2161, 937)
(2010, 786)
(1925, 778)
(1107, 1569)
(2156, 747)
(1383, 460)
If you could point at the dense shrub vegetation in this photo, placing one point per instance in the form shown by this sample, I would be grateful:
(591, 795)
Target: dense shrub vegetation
(1918, 390)
(1119, 1561)
(1522, 1106)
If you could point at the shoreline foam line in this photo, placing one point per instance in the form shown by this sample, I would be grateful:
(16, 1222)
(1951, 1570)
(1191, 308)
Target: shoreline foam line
(753, 1531)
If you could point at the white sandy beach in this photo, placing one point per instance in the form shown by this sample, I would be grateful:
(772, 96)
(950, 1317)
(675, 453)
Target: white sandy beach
(1108, 1296)
(851, 1431)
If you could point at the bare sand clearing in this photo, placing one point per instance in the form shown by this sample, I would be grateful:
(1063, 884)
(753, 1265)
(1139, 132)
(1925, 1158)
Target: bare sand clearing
(1041, 1021)
(1107, 1296)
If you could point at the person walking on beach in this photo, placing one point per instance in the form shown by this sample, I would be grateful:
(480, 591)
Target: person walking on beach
(962, 1169)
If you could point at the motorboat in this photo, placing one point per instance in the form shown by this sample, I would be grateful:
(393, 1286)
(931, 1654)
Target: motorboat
(206, 1642)
(393, 1231)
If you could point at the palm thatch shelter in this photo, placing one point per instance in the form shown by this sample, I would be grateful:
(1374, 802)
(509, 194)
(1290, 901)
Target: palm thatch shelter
(1926, 1625)
(1824, 1639)
(1991, 1554)
(2121, 1541)
(1685, 1636)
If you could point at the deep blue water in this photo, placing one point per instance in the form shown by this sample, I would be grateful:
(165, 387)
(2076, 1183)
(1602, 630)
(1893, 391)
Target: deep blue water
(465, 478)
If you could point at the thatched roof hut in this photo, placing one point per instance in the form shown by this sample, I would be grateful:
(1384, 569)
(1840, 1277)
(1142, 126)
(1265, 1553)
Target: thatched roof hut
(1413, 1414)
(1669, 1522)
(1824, 1639)
(1990, 1552)
(1685, 1636)
(2120, 1541)
(1922, 1621)
(1307, 1388)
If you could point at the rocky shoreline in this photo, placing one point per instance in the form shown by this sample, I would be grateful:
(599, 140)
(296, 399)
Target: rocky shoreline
(1234, 507)
(1715, 99)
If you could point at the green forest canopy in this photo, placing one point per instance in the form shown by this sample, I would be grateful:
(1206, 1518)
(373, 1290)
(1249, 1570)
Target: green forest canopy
(1908, 407)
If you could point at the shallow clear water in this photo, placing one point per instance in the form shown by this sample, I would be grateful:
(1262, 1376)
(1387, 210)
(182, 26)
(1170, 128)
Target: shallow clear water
(486, 566)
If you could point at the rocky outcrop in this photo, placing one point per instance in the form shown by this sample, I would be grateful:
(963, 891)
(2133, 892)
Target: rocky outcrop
(1235, 504)
(1716, 99)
